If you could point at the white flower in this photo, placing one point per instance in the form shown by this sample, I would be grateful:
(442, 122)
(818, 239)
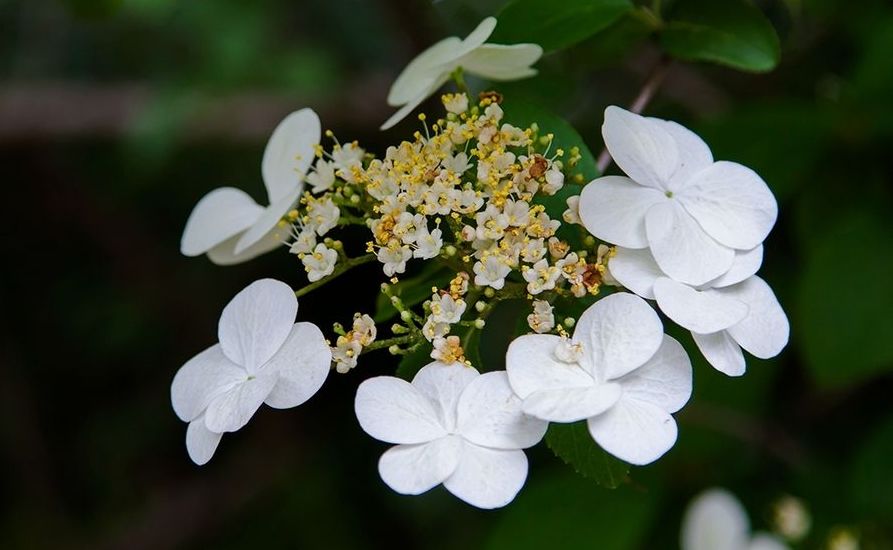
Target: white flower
(491, 271)
(453, 426)
(541, 320)
(345, 354)
(554, 181)
(263, 357)
(346, 159)
(432, 68)
(322, 215)
(715, 520)
(444, 309)
(491, 223)
(619, 372)
(228, 225)
(541, 277)
(693, 213)
(533, 250)
(364, 330)
(432, 330)
(323, 176)
(572, 214)
(394, 258)
(737, 310)
(455, 103)
(304, 242)
(321, 263)
(428, 243)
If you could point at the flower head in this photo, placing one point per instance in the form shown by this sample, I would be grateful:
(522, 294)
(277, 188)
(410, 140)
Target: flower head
(228, 225)
(433, 67)
(453, 426)
(715, 520)
(263, 357)
(618, 371)
(691, 212)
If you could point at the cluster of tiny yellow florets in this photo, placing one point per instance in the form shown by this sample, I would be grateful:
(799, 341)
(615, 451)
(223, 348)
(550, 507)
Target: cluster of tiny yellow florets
(466, 192)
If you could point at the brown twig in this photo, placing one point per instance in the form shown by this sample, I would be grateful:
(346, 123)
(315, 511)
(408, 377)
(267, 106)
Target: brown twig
(652, 83)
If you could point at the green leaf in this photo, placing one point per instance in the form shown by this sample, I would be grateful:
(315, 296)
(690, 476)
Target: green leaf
(871, 486)
(561, 512)
(844, 302)
(573, 444)
(412, 291)
(555, 24)
(728, 32)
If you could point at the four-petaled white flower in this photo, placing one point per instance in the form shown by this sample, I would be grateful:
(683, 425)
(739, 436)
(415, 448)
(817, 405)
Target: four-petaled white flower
(691, 212)
(263, 357)
(228, 225)
(619, 372)
(737, 310)
(320, 263)
(715, 520)
(453, 426)
(433, 67)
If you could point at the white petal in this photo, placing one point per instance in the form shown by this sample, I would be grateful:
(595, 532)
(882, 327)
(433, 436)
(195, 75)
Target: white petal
(477, 37)
(423, 71)
(394, 411)
(732, 203)
(443, 385)
(414, 469)
(765, 330)
(642, 148)
(489, 414)
(746, 263)
(665, 380)
(723, 353)
(200, 380)
(487, 478)
(256, 322)
(531, 366)
(704, 312)
(636, 270)
(694, 154)
(634, 431)
(219, 215)
(225, 252)
(233, 409)
(573, 404)
(681, 248)
(415, 102)
(290, 153)
(715, 520)
(303, 364)
(499, 62)
(200, 441)
(268, 223)
(613, 208)
(765, 541)
(619, 333)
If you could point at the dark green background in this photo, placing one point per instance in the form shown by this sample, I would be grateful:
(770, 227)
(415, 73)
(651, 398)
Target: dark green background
(116, 116)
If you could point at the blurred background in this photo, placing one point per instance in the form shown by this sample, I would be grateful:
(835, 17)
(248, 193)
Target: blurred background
(116, 116)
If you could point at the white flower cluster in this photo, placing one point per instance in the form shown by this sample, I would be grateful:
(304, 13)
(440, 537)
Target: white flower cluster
(468, 196)
(716, 520)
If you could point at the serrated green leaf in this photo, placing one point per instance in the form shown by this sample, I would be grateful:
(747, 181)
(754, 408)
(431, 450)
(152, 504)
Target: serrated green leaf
(573, 444)
(729, 32)
(555, 24)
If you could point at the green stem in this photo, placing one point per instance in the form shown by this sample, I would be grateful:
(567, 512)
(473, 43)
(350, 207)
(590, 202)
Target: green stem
(340, 269)
(459, 78)
(388, 342)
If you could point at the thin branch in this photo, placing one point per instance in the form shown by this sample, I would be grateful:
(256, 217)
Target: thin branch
(646, 94)
(340, 269)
